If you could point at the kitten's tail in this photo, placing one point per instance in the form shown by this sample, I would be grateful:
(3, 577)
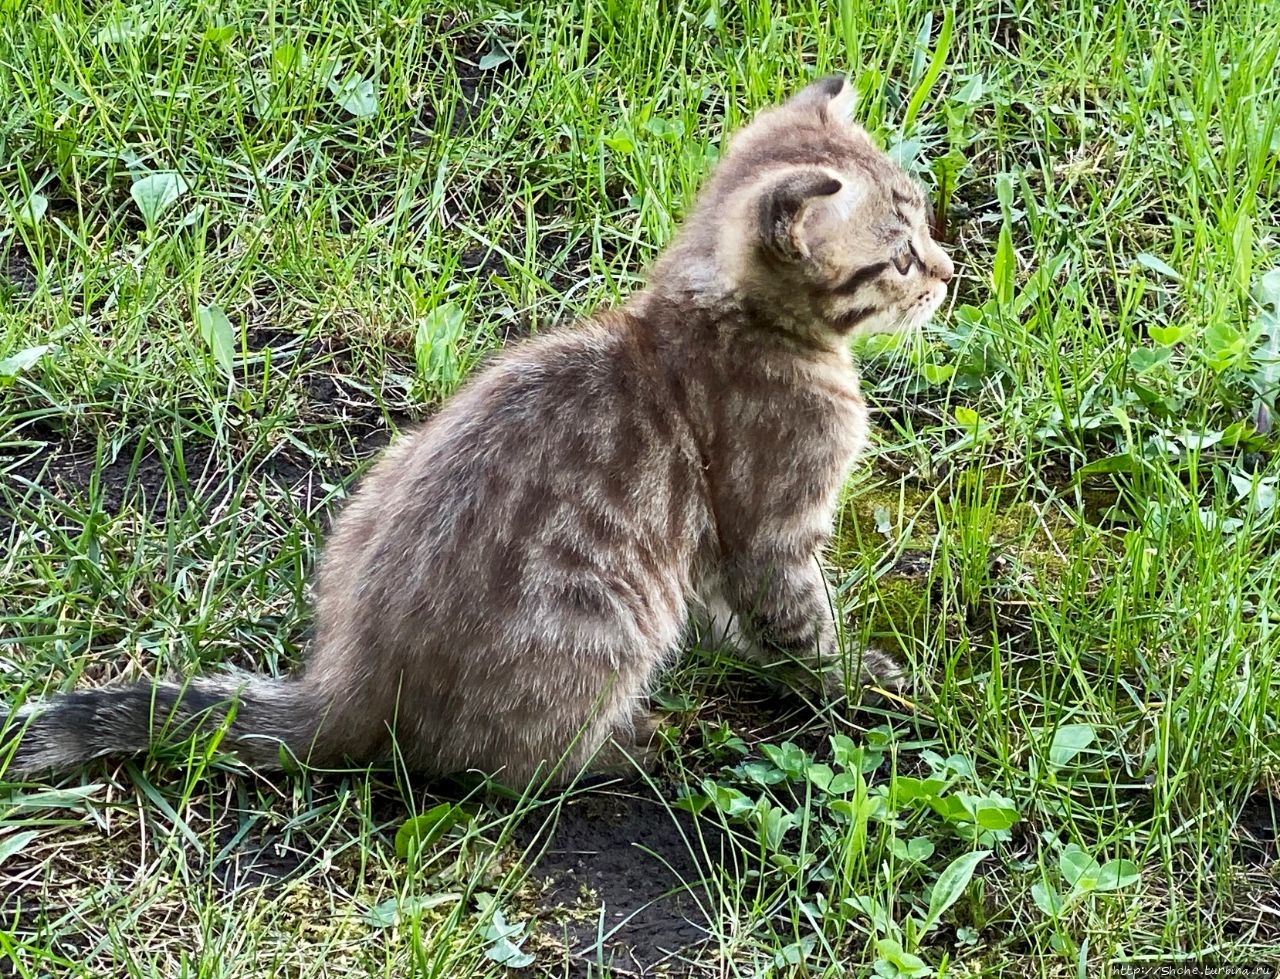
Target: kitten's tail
(265, 722)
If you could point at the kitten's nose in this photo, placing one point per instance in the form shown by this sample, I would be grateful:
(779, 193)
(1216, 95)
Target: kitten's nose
(943, 268)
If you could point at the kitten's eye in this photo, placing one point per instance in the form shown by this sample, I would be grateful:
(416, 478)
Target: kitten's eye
(905, 258)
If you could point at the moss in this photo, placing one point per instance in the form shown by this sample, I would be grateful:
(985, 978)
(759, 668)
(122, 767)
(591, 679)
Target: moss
(994, 541)
(904, 508)
(895, 609)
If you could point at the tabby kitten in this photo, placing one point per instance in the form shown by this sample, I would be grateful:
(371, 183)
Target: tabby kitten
(508, 580)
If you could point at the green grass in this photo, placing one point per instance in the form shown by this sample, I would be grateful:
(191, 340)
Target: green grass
(1068, 521)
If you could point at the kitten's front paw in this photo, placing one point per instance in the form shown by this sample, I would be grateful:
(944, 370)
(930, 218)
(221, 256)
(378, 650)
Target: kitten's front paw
(870, 675)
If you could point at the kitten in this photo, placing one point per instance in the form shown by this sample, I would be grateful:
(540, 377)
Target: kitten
(508, 580)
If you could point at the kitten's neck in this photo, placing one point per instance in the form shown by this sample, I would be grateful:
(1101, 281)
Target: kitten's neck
(684, 290)
(685, 306)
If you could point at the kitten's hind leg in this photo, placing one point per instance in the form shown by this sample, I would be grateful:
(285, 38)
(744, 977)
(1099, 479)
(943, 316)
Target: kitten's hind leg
(627, 749)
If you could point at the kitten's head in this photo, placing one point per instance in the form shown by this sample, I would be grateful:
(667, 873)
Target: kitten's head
(817, 225)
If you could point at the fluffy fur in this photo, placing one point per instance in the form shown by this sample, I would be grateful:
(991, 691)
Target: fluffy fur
(507, 581)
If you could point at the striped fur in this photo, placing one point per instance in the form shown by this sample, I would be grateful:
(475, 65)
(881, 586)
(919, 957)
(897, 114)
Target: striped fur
(508, 580)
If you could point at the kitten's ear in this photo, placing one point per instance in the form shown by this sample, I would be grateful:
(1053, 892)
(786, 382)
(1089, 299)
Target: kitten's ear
(833, 96)
(783, 203)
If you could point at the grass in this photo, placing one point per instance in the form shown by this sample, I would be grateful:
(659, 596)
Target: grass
(1068, 521)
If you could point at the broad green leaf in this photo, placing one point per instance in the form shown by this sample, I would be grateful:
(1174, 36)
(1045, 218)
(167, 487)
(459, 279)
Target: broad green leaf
(1199, 441)
(425, 829)
(993, 816)
(506, 953)
(727, 799)
(820, 776)
(1004, 191)
(1166, 336)
(1004, 267)
(868, 346)
(1116, 874)
(844, 783)
(919, 848)
(156, 193)
(12, 845)
(872, 909)
(950, 807)
(1068, 741)
(356, 95)
(916, 850)
(951, 884)
(383, 915)
(905, 153)
(32, 210)
(775, 822)
(1121, 463)
(787, 757)
(967, 418)
(936, 64)
(497, 55)
(937, 373)
(219, 336)
(905, 789)
(15, 364)
(795, 953)
(1158, 265)
(884, 522)
(905, 962)
(1224, 345)
(665, 128)
(1078, 867)
(122, 29)
(1242, 247)
(1046, 898)
(286, 59)
(1143, 359)
(1269, 290)
(969, 93)
(921, 48)
(394, 910)
(500, 928)
(954, 765)
(504, 936)
(693, 802)
(620, 141)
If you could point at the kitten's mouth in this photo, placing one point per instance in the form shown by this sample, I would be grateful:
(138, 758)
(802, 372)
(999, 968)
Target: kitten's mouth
(919, 313)
(932, 304)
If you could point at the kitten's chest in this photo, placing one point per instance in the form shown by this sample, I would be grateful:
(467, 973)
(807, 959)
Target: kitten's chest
(834, 425)
(795, 447)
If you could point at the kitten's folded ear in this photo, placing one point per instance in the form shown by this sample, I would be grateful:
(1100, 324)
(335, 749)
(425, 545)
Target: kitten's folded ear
(832, 95)
(781, 205)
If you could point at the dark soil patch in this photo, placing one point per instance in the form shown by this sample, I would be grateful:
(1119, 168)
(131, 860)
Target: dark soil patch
(136, 475)
(254, 859)
(575, 265)
(163, 477)
(458, 115)
(482, 262)
(149, 478)
(17, 271)
(330, 380)
(757, 712)
(566, 262)
(622, 885)
(1258, 831)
